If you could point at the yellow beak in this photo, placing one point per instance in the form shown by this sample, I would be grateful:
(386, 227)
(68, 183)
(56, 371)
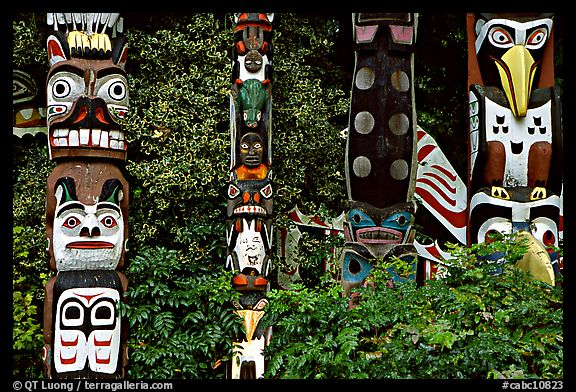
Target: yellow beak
(517, 69)
(251, 319)
(536, 262)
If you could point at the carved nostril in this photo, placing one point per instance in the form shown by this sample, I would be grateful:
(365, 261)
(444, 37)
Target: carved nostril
(84, 232)
(95, 232)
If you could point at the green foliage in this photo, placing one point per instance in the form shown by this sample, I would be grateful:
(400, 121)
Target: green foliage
(472, 324)
(180, 316)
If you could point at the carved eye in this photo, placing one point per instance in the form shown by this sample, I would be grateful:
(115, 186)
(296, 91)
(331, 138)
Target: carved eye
(500, 38)
(402, 220)
(102, 313)
(537, 38)
(244, 146)
(117, 90)
(261, 304)
(245, 116)
(109, 222)
(258, 116)
(72, 314)
(71, 222)
(61, 88)
(257, 145)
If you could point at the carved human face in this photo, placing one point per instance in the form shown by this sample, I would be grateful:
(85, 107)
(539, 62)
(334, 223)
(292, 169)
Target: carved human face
(251, 149)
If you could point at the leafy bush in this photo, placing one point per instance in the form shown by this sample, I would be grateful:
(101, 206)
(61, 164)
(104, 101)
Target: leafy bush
(472, 324)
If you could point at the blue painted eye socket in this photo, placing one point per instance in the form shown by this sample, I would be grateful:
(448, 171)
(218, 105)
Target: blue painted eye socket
(399, 221)
(359, 219)
(355, 268)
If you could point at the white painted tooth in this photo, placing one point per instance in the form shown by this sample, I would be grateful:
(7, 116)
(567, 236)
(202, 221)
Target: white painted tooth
(120, 135)
(114, 144)
(63, 142)
(104, 139)
(56, 141)
(95, 137)
(63, 132)
(84, 136)
(73, 138)
(121, 145)
(114, 134)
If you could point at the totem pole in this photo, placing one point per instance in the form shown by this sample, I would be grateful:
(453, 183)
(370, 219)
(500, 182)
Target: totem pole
(86, 198)
(515, 136)
(380, 160)
(28, 106)
(249, 196)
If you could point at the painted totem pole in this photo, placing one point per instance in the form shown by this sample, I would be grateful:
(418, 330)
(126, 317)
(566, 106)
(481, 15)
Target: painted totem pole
(249, 197)
(86, 198)
(28, 106)
(515, 128)
(380, 160)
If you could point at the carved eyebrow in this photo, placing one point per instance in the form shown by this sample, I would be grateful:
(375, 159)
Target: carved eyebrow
(66, 68)
(71, 206)
(110, 71)
(110, 206)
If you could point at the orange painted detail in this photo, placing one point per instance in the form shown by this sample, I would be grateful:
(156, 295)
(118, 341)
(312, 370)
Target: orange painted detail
(240, 280)
(247, 173)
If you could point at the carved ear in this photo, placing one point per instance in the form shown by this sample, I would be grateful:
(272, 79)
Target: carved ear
(58, 49)
(120, 51)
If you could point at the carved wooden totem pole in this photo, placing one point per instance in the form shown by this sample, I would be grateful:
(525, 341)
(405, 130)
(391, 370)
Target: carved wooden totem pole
(380, 159)
(515, 128)
(249, 203)
(87, 197)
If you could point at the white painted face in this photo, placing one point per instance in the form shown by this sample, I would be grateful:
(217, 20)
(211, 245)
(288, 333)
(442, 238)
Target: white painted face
(87, 236)
(250, 248)
(87, 328)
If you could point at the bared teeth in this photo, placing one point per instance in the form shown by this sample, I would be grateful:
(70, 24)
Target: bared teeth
(104, 139)
(73, 138)
(96, 136)
(85, 137)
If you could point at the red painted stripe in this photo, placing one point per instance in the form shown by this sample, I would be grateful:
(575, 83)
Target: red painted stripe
(448, 200)
(457, 219)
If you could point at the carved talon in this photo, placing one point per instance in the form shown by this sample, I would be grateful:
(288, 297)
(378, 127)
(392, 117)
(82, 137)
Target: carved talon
(538, 193)
(78, 41)
(100, 42)
(499, 192)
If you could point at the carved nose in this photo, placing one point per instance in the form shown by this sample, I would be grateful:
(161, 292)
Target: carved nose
(90, 232)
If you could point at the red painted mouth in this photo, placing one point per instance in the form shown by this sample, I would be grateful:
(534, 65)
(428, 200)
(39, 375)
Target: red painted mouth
(379, 235)
(90, 245)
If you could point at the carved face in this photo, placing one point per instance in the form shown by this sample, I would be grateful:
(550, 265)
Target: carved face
(88, 236)
(87, 328)
(370, 225)
(86, 216)
(250, 196)
(86, 99)
(510, 50)
(252, 98)
(251, 149)
(250, 248)
(253, 61)
(540, 218)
